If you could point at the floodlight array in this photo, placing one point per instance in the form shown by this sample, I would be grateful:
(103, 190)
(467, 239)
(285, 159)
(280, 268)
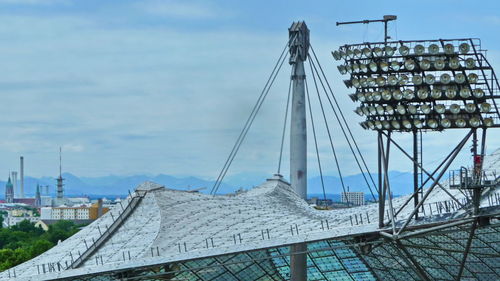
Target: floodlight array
(414, 85)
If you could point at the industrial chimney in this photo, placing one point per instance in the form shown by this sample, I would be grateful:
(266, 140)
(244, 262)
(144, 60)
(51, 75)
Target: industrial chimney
(21, 193)
(14, 183)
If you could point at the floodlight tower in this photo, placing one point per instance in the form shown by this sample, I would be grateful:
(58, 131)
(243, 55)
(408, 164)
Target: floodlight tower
(299, 47)
(424, 86)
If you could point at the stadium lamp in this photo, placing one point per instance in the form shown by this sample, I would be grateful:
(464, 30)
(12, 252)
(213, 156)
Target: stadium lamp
(419, 85)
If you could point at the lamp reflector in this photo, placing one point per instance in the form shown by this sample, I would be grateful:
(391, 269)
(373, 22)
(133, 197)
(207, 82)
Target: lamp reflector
(389, 51)
(392, 80)
(366, 110)
(408, 94)
(363, 68)
(406, 124)
(355, 68)
(380, 81)
(370, 81)
(439, 108)
(470, 63)
(454, 63)
(389, 109)
(370, 125)
(397, 95)
(384, 66)
(419, 50)
(350, 53)
(422, 93)
(460, 123)
(445, 123)
(395, 124)
(465, 93)
(378, 125)
(386, 95)
(473, 78)
(376, 96)
(355, 83)
(425, 64)
(367, 52)
(445, 78)
(342, 69)
(363, 81)
(449, 49)
(359, 111)
(369, 97)
(436, 93)
(460, 78)
(378, 52)
(403, 79)
(357, 53)
(433, 49)
(425, 108)
(380, 109)
(401, 109)
(485, 107)
(373, 66)
(336, 55)
(430, 79)
(474, 122)
(464, 48)
(361, 97)
(404, 50)
(478, 93)
(386, 125)
(412, 109)
(439, 64)
(417, 79)
(342, 55)
(455, 108)
(372, 110)
(410, 64)
(432, 123)
(450, 93)
(348, 67)
(470, 107)
(395, 66)
(488, 122)
(418, 124)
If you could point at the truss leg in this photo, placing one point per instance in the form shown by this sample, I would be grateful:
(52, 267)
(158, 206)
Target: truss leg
(467, 249)
(410, 260)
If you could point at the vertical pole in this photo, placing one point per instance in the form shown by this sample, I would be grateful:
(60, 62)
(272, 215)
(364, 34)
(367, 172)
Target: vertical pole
(299, 45)
(298, 133)
(381, 195)
(415, 170)
(476, 174)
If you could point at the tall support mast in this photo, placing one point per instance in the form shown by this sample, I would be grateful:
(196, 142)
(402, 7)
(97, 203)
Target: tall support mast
(299, 46)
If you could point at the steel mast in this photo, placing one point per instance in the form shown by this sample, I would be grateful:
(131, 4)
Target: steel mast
(299, 46)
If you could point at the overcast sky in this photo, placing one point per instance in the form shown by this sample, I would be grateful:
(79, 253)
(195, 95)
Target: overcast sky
(129, 87)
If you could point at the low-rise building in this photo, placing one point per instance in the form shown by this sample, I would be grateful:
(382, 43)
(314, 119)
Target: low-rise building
(83, 212)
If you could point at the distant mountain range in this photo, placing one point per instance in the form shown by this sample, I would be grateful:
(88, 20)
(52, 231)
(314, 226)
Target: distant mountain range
(401, 183)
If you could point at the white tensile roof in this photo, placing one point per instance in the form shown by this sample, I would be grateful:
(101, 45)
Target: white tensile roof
(171, 225)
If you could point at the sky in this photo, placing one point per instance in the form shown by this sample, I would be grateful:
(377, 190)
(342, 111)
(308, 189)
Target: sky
(149, 87)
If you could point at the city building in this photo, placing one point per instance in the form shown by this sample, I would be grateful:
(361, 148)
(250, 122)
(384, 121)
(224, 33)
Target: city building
(353, 198)
(83, 212)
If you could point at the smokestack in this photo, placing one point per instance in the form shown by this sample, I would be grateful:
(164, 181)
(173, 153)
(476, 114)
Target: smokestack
(14, 183)
(21, 193)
